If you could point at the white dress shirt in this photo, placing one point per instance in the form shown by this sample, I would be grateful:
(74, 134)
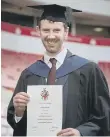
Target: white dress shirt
(60, 59)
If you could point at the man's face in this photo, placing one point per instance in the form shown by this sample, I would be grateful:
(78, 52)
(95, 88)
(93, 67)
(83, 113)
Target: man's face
(52, 35)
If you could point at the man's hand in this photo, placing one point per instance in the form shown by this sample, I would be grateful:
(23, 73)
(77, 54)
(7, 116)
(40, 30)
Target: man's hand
(69, 132)
(20, 101)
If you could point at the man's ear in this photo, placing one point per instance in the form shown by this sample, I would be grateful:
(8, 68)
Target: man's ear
(66, 33)
(38, 30)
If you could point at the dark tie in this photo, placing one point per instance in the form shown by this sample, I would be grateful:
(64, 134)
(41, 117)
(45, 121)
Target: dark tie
(52, 73)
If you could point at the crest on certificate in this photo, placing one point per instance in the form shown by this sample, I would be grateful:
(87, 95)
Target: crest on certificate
(44, 94)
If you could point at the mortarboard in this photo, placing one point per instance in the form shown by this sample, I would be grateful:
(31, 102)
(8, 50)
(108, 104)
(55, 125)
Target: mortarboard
(56, 13)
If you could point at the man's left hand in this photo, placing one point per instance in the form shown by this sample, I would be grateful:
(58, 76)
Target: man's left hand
(69, 132)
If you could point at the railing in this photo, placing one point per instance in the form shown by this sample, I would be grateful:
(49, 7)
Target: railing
(21, 30)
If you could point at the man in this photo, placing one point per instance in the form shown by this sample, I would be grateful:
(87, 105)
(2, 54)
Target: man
(86, 102)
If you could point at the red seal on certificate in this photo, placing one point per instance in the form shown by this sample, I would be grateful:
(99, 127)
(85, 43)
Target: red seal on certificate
(44, 94)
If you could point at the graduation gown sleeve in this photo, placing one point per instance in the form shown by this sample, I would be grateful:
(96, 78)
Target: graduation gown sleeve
(17, 127)
(99, 119)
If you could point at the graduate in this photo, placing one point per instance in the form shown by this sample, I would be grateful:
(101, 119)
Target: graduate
(86, 101)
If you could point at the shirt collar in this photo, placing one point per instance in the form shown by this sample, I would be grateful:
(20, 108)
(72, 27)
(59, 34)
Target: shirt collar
(59, 57)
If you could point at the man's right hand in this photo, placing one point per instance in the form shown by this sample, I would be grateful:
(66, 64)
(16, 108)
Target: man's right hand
(20, 101)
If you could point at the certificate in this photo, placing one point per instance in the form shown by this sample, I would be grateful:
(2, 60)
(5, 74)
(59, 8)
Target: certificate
(44, 110)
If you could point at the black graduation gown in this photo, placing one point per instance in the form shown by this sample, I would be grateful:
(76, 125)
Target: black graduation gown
(86, 101)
